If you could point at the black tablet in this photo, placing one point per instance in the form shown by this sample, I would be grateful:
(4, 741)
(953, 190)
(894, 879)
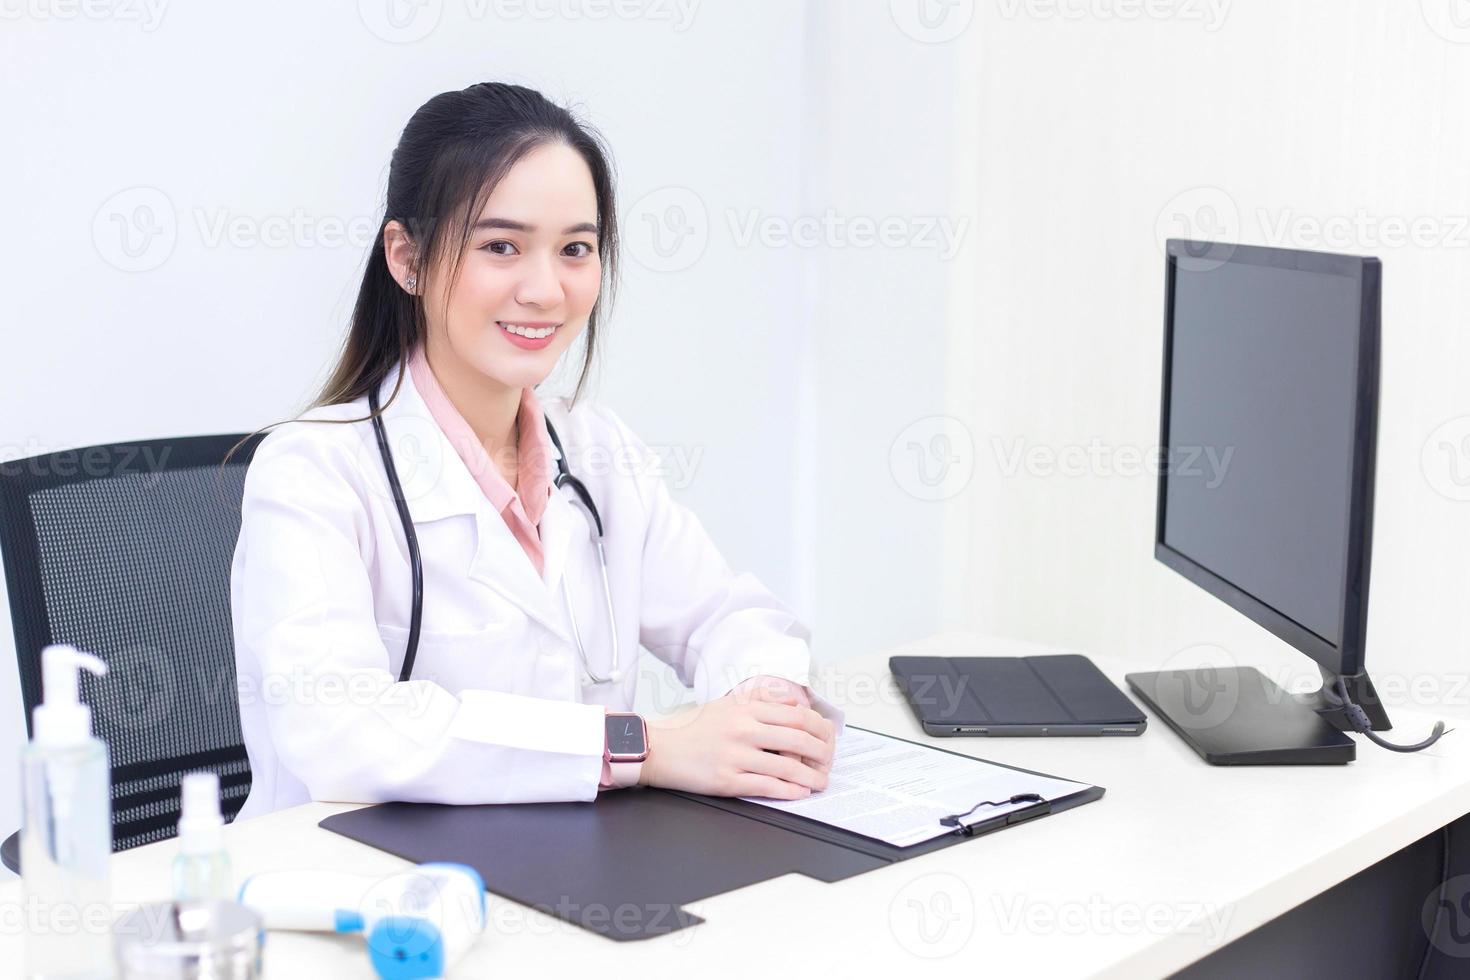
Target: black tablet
(1053, 694)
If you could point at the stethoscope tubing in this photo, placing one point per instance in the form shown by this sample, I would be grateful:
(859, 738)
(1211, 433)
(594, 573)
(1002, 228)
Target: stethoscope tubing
(564, 477)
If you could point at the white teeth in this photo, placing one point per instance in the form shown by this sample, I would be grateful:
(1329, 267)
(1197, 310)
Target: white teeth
(521, 331)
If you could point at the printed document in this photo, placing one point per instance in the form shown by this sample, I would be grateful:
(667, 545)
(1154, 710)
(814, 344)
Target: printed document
(895, 791)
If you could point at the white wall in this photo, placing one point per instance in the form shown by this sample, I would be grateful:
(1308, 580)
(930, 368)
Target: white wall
(884, 128)
(1100, 136)
(281, 114)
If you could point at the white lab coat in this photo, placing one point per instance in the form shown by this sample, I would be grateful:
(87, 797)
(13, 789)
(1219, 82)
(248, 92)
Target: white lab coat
(495, 711)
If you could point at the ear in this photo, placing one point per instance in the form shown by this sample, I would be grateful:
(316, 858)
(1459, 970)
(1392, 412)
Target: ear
(401, 252)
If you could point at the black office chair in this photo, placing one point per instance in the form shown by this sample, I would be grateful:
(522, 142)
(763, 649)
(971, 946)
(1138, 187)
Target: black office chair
(124, 551)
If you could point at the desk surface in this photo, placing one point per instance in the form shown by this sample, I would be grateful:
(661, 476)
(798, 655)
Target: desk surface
(1176, 860)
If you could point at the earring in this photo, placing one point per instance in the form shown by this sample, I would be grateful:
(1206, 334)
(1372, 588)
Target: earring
(413, 283)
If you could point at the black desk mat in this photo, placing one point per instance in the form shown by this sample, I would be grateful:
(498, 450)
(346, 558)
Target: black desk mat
(625, 865)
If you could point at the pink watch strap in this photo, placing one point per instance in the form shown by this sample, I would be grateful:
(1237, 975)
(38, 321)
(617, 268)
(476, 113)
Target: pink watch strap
(626, 774)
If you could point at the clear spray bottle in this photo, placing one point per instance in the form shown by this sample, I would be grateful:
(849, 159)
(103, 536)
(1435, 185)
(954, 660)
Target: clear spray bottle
(202, 867)
(66, 837)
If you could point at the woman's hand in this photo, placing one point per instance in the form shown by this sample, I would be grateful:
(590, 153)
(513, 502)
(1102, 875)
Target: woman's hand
(759, 742)
(774, 688)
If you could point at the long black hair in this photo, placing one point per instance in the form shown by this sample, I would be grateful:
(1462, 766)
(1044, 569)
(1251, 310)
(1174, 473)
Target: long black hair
(455, 149)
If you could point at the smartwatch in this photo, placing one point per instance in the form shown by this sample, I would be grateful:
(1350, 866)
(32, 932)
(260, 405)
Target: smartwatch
(625, 747)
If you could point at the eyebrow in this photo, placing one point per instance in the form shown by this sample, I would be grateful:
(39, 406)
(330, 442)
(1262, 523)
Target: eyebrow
(484, 224)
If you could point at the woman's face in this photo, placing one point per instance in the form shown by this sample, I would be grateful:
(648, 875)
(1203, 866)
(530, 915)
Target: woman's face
(531, 264)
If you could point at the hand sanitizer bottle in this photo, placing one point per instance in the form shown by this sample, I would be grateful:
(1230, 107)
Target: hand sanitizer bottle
(66, 839)
(202, 867)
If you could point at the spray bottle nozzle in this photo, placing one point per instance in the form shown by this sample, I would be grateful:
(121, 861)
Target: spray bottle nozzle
(200, 820)
(61, 718)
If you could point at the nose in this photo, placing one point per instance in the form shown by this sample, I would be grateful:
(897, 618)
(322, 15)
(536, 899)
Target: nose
(541, 286)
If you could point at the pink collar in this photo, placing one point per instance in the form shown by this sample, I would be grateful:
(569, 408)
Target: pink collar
(535, 460)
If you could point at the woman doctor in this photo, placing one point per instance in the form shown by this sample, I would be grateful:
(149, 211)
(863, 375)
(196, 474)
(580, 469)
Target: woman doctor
(498, 234)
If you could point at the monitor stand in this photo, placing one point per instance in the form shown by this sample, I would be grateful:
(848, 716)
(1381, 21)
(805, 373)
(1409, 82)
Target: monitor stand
(1236, 716)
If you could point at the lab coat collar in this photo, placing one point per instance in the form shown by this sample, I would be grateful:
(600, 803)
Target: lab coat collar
(437, 484)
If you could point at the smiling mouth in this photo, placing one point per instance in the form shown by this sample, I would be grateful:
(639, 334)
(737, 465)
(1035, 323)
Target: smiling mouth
(530, 332)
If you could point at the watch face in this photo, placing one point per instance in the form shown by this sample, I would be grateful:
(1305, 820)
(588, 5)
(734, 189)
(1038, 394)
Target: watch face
(625, 735)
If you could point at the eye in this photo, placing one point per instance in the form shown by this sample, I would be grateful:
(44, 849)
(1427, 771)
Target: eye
(582, 245)
(490, 246)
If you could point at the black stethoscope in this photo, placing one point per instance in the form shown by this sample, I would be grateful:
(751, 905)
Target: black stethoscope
(564, 477)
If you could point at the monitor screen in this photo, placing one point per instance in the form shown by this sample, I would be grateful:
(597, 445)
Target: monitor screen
(1260, 417)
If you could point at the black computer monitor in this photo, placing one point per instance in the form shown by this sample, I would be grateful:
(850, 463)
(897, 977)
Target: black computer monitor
(1265, 491)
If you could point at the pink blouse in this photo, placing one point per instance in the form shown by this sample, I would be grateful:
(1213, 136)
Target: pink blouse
(523, 506)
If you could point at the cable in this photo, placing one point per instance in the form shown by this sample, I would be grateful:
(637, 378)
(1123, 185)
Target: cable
(1357, 718)
(1439, 903)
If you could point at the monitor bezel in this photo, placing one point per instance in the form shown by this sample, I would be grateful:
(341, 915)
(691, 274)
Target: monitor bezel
(1347, 657)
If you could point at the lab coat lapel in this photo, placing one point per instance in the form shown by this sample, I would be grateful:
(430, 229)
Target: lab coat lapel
(438, 484)
(560, 524)
(503, 565)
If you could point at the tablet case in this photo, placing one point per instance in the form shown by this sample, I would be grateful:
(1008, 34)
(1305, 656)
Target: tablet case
(625, 865)
(1053, 694)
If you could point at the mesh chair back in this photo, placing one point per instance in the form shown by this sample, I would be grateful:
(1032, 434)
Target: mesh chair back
(124, 551)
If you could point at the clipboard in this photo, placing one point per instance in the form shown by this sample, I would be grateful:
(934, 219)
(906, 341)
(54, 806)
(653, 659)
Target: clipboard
(625, 865)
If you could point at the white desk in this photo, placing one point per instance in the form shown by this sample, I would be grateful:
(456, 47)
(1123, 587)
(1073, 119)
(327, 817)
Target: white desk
(1176, 860)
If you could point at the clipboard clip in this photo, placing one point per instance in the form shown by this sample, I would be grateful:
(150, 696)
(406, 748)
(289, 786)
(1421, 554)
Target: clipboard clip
(1040, 807)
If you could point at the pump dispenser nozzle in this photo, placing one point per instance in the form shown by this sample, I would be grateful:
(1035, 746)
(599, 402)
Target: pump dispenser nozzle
(61, 718)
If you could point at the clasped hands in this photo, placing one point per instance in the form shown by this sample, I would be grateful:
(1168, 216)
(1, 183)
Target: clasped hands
(763, 738)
